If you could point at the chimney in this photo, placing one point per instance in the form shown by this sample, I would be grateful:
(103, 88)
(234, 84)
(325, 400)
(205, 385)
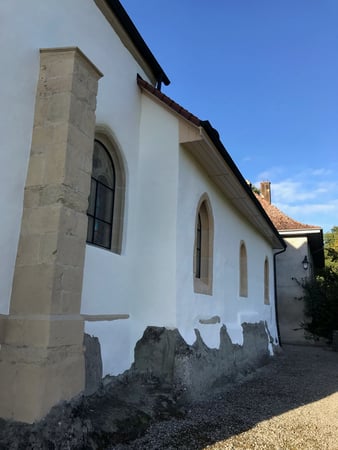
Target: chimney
(266, 191)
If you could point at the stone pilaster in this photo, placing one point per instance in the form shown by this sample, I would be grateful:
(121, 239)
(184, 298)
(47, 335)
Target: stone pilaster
(41, 358)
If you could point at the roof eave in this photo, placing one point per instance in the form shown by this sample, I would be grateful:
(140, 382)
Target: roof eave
(132, 39)
(262, 220)
(315, 240)
(208, 150)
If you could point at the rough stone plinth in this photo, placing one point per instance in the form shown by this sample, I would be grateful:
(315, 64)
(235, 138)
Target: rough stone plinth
(196, 369)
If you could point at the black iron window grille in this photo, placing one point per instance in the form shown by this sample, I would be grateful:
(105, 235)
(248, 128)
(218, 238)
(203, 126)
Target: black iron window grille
(101, 200)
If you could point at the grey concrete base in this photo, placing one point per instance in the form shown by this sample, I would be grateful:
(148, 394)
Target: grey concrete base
(195, 370)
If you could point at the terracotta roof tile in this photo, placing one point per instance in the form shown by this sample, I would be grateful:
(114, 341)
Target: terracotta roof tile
(280, 220)
(168, 101)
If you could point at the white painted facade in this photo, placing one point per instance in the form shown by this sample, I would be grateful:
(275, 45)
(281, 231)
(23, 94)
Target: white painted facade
(151, 281)
(230, 230)
(290, 273)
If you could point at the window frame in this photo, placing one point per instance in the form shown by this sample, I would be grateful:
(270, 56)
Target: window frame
(94, 216)
(105, 138)
(203, 247)
(266, 281)
(243, 270)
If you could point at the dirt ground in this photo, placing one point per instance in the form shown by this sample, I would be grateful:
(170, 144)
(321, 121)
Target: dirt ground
(289, 404)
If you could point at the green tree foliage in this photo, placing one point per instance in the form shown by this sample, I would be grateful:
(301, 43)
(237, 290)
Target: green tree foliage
(321, 304)
(331, 238)
(321, 293)
(331, 248)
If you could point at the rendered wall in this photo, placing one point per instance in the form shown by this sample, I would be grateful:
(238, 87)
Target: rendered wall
(121, 294)
(290, 307)
(25, 28)
(57, 24)
(230, 230)
(142, 281)
(153, 280)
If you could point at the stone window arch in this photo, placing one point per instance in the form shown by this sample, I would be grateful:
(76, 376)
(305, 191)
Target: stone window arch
(266, 282)
(203, 247)
(106, 200)
(243, 271)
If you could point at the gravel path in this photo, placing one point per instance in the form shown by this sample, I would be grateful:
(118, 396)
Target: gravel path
(290, 404)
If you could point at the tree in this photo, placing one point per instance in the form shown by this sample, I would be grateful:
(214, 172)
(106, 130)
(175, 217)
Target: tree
(331, 248)
(321, 304)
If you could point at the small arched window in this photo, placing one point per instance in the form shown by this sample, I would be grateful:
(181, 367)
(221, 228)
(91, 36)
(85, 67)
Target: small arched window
(243, 271)
(101, 201)
(198, 255)
(203, 248)
(266, 282)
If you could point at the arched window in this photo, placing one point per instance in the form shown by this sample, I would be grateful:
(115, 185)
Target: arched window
(266, 282)
(101, 200)
(203, 248)
(106, 200)
(198, 256)
(243, 271)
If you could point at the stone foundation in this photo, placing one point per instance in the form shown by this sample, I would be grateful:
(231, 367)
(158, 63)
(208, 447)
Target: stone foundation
(196, 369)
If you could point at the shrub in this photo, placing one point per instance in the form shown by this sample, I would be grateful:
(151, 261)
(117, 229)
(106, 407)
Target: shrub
(321, 304)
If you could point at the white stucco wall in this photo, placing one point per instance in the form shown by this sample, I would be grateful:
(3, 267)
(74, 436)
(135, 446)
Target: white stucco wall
(151, 281)
(229, 230)
(289, 270)
(154, 234)
(25, 28)
(142, 281)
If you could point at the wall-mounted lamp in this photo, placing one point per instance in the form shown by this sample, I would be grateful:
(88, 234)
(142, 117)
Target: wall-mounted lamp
(305, 263)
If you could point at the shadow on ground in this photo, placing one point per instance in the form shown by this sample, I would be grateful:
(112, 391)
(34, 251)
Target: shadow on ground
(299, 375)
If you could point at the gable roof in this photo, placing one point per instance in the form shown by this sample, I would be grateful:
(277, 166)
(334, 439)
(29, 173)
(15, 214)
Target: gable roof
(131, 38)
(208, 149)
(289, 227)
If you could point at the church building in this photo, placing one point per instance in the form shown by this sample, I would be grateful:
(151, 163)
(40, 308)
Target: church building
(120, 209)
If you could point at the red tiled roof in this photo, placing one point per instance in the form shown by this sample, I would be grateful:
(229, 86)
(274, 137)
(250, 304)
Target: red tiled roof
(280, 220)
(168, 101)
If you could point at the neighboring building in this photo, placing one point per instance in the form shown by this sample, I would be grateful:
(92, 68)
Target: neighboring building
(304, 255)
(172, 235)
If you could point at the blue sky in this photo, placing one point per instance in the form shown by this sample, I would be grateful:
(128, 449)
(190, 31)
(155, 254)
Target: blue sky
(265, 74)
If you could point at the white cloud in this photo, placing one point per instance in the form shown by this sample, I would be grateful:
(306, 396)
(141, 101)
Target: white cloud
(305, 185)
(307, 208)
(270, 174)
(323, 215)
(320, 172)
(291, 191)
(308, 195)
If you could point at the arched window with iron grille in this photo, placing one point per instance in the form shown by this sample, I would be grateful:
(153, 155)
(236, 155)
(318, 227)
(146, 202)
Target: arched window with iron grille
(101, 201)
